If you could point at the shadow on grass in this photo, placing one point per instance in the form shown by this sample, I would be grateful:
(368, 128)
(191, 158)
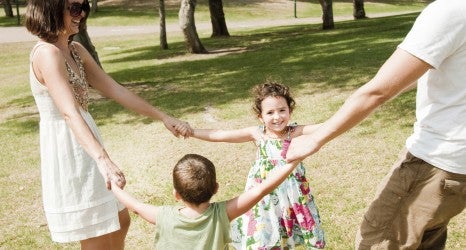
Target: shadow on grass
(344, 59)
(341, 59)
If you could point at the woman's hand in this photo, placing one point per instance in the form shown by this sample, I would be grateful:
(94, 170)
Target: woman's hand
(177, 127)
(111, 173)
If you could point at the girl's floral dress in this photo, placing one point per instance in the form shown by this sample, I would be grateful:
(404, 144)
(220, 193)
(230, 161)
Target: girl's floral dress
(288, 216)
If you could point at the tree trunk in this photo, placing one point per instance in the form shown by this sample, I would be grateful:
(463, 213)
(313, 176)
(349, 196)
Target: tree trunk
(7, 8)
(327, 14)
(163, 27)
(217, 18)
(188, 26)
(358, 9)
(83, 38)
(94, 6)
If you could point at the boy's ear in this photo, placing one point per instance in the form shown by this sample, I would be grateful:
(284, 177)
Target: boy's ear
(216, 188)
(177, 195)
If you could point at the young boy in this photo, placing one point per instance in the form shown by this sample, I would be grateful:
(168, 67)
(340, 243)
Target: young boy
(199, 224)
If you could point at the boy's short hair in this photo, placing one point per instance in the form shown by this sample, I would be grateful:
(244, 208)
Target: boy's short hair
(194, 178)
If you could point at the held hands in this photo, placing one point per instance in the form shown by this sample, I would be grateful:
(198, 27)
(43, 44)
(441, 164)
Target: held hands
(301, 147)
(111, 173)
(177, 127)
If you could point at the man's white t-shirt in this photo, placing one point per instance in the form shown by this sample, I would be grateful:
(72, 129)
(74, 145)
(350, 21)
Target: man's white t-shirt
(438, 37)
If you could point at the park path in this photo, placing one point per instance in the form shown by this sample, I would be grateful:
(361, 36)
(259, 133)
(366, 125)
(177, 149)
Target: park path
(20, 34)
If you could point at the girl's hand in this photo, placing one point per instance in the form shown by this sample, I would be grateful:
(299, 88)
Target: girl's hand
(301, 147)
(111, 173)
(184, 129)
(177, 127)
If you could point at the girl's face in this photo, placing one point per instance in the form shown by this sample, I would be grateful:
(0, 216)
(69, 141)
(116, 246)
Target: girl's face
(275, 114)
(74, 12)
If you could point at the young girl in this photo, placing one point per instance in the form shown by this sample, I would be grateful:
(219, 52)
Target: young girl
(199, 224)
(288, 216)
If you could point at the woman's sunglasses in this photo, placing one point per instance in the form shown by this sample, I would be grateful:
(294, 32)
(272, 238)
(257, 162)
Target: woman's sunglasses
(76, 8)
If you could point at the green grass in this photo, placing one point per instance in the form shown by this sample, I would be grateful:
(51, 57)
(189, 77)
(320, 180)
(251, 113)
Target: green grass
(146, 12)
(321, 67)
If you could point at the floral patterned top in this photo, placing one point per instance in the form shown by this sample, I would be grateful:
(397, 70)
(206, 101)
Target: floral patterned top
(288, 216)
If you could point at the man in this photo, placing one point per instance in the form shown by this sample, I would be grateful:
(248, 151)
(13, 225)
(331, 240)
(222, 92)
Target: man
(427, 187)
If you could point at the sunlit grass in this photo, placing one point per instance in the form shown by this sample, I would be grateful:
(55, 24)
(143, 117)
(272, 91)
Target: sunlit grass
(212, 91)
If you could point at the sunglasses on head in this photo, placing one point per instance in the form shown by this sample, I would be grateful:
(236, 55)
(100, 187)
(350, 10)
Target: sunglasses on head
(76, 8)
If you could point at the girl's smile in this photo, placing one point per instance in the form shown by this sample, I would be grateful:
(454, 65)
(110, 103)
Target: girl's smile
(275, 115)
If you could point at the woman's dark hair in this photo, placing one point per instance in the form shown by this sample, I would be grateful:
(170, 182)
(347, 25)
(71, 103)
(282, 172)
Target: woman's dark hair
(274, 89)
(194, 178)
(44, 18)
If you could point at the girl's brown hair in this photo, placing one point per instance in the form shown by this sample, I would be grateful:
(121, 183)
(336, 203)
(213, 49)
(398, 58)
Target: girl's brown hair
(274, 89)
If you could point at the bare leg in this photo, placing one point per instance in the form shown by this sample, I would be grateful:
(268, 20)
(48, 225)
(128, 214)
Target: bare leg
(111, 241)
(118, 237)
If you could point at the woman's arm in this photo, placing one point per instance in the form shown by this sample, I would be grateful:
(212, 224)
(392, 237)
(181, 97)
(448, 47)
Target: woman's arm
(146, 211)
(102, 82)
(221, 135)
(49, 67)
(241, 204)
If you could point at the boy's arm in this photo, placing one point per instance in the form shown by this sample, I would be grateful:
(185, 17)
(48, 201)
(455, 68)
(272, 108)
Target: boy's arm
(241, 204)
(146, 211)
(221, 135)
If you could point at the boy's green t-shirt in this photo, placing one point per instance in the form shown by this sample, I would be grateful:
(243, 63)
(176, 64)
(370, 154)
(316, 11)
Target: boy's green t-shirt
(211, 230)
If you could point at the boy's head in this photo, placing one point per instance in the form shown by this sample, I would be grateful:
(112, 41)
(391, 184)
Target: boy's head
(194, 179)
(271, 88)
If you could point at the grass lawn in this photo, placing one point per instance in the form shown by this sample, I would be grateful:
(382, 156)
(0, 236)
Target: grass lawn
(212, 91)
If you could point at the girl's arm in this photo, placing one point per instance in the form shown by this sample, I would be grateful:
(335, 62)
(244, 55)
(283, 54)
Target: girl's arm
(111, 89)
(49, 67)
(146, 211)
(220, 135)
(303, 130)
(309, 129)
(241, 204)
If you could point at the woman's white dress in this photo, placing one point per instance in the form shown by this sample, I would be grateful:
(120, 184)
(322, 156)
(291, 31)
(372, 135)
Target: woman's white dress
(76, 201)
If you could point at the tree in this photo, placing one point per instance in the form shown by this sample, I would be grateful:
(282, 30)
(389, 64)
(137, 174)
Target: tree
(163, 27)
(358, 9)
(188, 26)
(7, 7)
(83, 38)
(327, 14)
(94, 7)
(217, 18)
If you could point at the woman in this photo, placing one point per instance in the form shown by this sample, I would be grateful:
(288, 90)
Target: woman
(76, 169)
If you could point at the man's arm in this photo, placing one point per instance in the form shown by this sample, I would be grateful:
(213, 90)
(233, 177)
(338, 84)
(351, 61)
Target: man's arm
(398, 73)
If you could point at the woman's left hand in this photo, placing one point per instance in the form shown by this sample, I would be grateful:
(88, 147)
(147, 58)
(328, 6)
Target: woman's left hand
(111, 173)
(177, 127)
